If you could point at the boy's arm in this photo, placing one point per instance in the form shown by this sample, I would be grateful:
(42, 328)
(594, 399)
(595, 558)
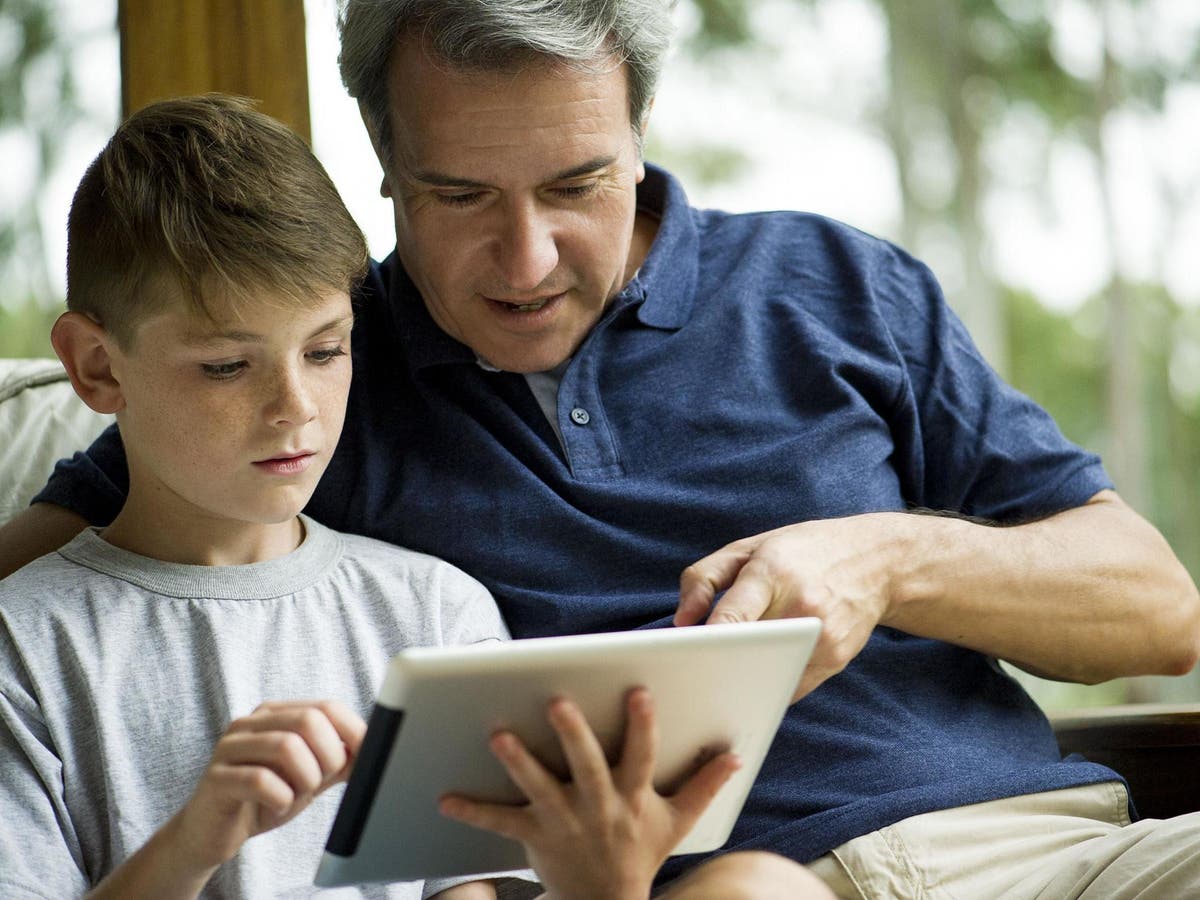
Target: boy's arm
(36, 531)
(605, 833)
(40, 850)
(266, 769)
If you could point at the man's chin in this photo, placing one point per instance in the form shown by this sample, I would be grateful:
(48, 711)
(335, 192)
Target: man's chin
(524, 358)
(526, 364)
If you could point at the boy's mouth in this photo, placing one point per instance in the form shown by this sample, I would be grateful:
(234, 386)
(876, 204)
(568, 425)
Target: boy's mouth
(286, 463)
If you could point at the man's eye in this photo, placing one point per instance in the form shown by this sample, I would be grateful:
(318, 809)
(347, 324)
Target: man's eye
(222, 371)
(328, 354)
(460, 200)
(575, 191)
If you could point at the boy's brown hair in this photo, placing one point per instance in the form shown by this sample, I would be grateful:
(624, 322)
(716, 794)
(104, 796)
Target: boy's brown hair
(201, 197)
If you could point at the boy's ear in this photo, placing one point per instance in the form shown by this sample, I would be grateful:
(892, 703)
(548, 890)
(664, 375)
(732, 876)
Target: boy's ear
(83, 346)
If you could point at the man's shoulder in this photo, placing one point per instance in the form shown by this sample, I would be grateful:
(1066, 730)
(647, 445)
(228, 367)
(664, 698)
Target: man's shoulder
(808, 233)
(813, 264)
(722, 231)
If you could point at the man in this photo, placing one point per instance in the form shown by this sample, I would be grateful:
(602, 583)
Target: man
(613, 388)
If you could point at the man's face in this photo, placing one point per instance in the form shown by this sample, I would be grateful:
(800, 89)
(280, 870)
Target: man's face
(514, 197)
(234, 419)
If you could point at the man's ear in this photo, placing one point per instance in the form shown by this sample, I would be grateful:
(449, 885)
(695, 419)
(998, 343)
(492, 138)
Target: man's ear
(385, 189)
(83, 346)
(646, 115)
(645, 124)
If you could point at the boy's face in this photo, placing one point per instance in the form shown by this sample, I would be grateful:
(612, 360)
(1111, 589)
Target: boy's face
(234, 419)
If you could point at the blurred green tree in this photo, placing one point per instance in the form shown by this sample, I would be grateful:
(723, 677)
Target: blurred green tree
(38, 103)
(1122, 373)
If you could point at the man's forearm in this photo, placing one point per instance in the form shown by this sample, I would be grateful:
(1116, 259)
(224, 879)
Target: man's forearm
(34, 532)
(1086, 595)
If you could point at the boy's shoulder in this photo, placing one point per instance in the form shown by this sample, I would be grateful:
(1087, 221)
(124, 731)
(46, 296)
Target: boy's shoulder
(47, 580)
(434, 597)
(420, 569)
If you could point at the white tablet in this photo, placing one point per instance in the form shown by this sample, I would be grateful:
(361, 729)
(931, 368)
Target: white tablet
(715, 687)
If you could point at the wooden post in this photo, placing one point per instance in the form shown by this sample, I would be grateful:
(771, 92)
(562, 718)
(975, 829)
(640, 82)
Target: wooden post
(254, 48)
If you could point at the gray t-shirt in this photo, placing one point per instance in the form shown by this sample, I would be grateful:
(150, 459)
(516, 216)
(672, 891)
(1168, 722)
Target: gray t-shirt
(119, 673)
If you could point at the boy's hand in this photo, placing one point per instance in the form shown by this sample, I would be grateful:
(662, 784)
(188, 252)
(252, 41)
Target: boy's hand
(264, 771)
(605, 833)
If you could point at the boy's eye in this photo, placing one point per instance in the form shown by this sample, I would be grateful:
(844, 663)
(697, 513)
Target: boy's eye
(325, 355)
(222, 371)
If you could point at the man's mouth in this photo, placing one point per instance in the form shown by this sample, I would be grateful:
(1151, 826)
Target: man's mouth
(525, 306)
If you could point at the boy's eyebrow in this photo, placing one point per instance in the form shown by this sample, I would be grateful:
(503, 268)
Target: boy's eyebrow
(440, 179)
(200, 339)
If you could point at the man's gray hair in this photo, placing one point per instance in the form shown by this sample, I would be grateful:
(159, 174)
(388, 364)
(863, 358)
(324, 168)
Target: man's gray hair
(498, 35)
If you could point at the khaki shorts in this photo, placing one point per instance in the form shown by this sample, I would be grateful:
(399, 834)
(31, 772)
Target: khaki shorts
(1074, 843)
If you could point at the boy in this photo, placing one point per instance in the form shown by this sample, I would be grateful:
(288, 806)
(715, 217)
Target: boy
(210, 261)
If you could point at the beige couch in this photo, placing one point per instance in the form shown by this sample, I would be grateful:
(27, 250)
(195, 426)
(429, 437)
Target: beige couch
(41, 421)
(1157, 748)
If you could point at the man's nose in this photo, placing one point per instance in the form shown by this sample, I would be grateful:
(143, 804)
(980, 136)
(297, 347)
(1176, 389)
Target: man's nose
(291, 400)
(528, 250)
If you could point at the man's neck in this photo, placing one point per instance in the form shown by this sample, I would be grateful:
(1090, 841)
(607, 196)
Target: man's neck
(645, 228)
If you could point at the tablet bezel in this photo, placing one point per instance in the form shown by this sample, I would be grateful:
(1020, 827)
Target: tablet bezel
(427, 734)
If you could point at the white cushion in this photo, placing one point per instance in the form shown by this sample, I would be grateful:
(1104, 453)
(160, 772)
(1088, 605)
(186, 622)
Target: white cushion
(41, 421)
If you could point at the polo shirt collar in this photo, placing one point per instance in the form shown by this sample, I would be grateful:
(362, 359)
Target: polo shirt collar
(424, 342)
(667, 278)
(664, 286)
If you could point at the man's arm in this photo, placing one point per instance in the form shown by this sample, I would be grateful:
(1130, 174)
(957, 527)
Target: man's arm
(1086, 595)
(34, 532)
(472, 890)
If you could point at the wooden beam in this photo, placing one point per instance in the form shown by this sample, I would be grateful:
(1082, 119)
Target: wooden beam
(1156, 747)
(254, 48)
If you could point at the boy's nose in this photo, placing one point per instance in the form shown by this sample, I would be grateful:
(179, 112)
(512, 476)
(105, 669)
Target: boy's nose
(292, 401)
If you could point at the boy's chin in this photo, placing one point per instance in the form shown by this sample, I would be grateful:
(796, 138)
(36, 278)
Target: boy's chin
(271, 515)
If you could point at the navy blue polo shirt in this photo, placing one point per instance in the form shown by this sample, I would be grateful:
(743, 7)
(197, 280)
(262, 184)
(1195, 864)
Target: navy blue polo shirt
(759, 370)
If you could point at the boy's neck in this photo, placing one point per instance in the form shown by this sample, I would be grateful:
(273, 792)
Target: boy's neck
(200, 540)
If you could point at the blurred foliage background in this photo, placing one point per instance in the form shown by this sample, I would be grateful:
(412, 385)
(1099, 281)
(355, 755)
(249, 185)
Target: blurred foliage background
(972, 102)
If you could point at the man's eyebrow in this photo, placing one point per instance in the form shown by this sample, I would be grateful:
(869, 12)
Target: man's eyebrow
(201, 339)
(594, 164)
(441, 179)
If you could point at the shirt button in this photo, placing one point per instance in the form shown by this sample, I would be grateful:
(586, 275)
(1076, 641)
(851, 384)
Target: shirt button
(580, 416)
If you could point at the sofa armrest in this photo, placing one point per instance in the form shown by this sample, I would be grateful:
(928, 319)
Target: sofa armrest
(1155, 746)
(41, 421)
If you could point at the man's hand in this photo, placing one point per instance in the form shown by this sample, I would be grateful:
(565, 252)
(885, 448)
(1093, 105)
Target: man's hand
(1087, 594)
(605, 833)
(838, 570)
